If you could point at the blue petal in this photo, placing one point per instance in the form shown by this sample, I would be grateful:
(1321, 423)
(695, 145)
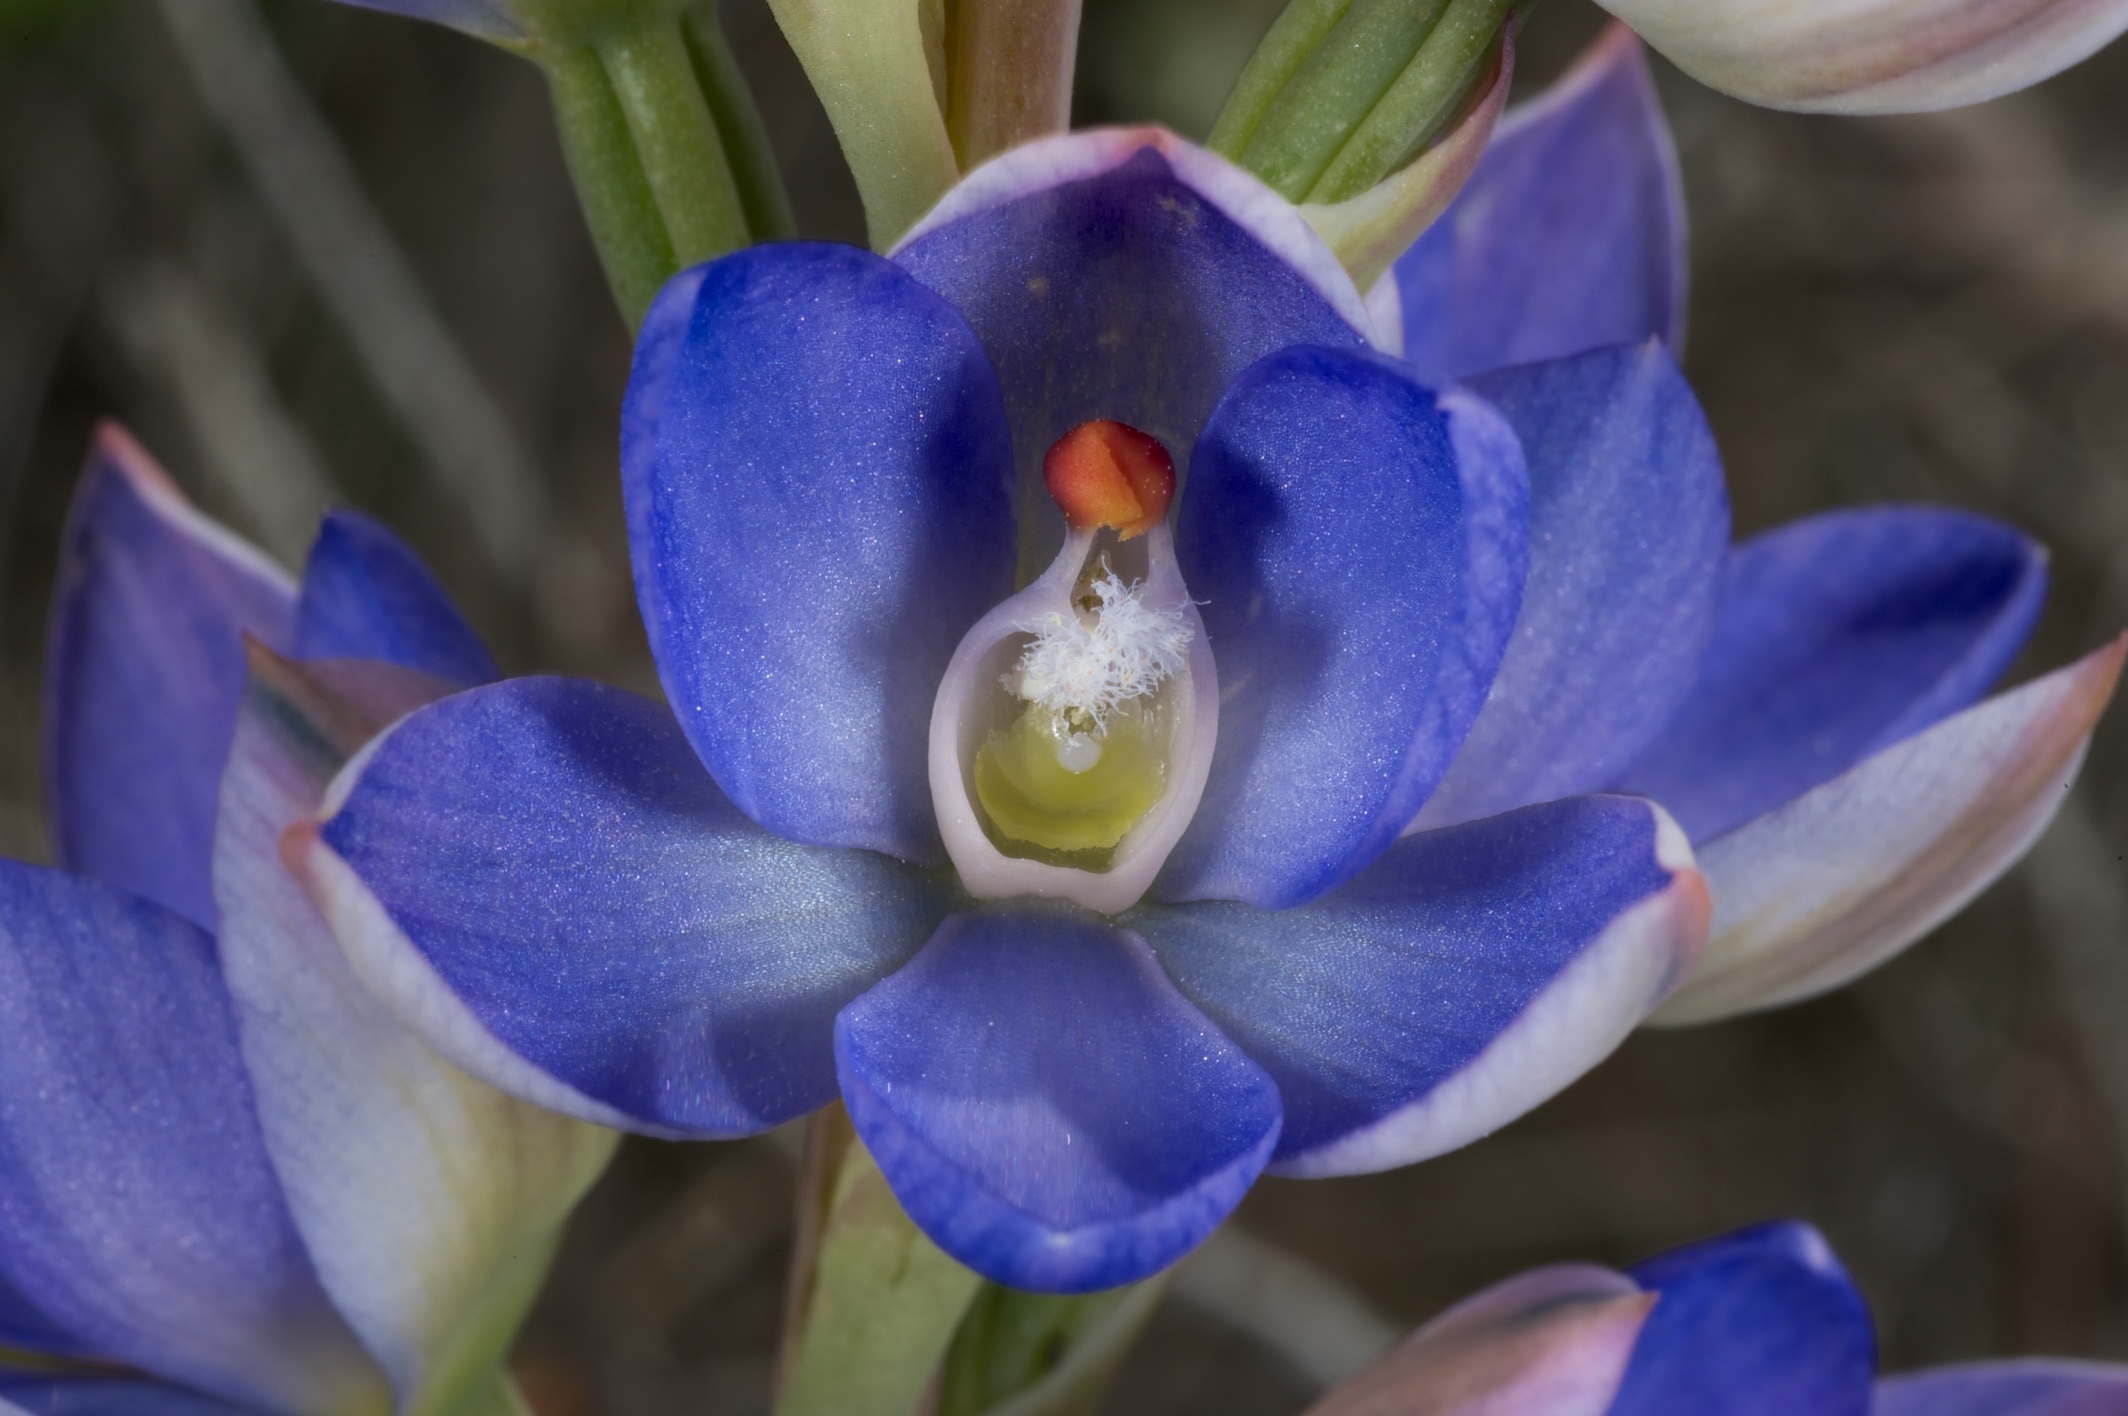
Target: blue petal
(1629, 526)
(1763, 1322)
(814, 457)
(138, 1209)
(366, 595)
(1836, 637)
(552, 861)
(1046, 1105)
(1130, 295)
(1570, 234)
(2032, 1387)
(38, 1395)
(1464, 977)
(143, 675)
(1358, 545)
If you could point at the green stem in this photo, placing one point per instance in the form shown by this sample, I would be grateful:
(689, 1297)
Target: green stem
(610, 184)
(1010, 64)
(1335, 89)
(745, 136)
(676, 140)
(867, 61)
(1298, 32)
(1042, 1354)
(1418, 103)
(880, 1306)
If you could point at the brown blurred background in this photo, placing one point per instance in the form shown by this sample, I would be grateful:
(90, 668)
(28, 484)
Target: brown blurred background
(314, 254)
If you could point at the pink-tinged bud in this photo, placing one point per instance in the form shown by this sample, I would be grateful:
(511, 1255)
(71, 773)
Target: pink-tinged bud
(1110, 474)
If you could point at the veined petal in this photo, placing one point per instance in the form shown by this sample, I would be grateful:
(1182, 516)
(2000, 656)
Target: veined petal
(1570, 234)
(366, 595)
(1464, 977)
(814, 456)
(138, 1209)
(540, 880)
(28, 1394)
(1873, 56)
(1552, 1342)
(2032, 1387)
(1762, 1322)
(1836, 637)
(1358, 543)
(1045, 1104)
(428, 1200)
(143, 673)
(1629, 527)
(1827, 887)
(1123, 275)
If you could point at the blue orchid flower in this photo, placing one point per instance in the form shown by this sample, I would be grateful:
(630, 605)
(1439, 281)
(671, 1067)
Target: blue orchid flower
(1098, 871)
(222, 1165)
(1761, 1322)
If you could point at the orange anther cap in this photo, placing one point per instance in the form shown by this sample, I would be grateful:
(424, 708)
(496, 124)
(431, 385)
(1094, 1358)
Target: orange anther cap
(1110, 474)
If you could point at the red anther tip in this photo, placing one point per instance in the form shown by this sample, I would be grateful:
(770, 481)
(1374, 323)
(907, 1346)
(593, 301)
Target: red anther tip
(1110, 474)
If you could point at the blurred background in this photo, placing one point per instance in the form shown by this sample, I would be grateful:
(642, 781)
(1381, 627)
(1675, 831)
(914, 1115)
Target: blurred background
(311, 254)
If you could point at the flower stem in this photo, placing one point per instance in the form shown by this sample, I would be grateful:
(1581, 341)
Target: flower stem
(1341, 93)
(1043, 1354)
(1297, 33)
(676, 140)
(1335, 88)
(867, 61)
(731, 106)
(877, 1304)
(1421, 100)
(1010, 67)
(610, 183)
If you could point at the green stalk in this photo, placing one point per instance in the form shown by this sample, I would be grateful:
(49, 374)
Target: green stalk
(676, 140)
(745, 137)
(610, 183)
(1043, 1354)
(1418, 103)
(1335, 89)
(867, 60)
(1297, 33)
(880, 1301)
(1010, 67)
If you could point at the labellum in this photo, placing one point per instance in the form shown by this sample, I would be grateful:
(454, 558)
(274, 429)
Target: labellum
(1073, 730)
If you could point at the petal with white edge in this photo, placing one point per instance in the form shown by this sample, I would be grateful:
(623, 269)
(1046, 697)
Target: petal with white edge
(1467, 975)
(139, 1209)
(1552, 1342)
(1123, 274)
(144, 667)
(429, 1201)
(1873, 56)
(1822, 890)
(539, 878)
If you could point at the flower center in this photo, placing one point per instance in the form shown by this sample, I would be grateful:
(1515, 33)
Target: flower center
(1085, 759)
(1074, 726)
